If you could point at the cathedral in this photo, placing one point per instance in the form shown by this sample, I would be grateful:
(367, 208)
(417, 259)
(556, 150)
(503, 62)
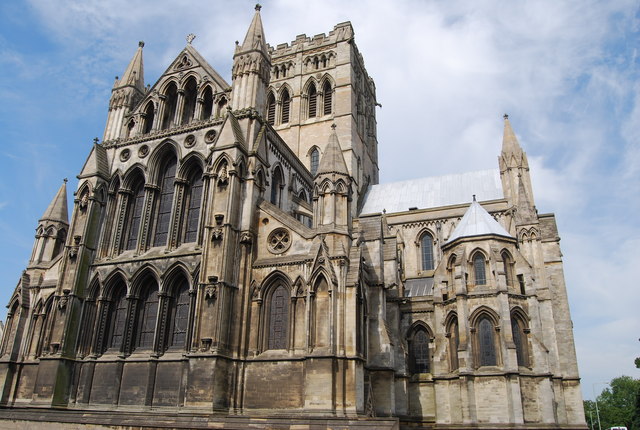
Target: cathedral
(231, 261)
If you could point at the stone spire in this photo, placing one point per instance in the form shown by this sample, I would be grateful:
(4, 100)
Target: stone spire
(514, 169)
(57, 210)
(251, 69)
(512, 154)
(332, 160)
(125, 94)
(134, 74)
(255, 40)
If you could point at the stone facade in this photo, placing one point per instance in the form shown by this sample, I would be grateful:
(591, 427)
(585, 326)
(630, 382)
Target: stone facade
(230, 261)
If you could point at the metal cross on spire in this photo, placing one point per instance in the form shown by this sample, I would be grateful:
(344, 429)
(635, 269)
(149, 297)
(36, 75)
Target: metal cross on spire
(190, 38)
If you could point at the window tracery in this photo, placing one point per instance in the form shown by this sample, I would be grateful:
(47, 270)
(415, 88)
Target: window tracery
(165, 201)
(278, 318)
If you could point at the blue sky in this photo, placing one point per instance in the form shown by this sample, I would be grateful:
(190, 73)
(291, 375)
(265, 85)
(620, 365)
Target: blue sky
(566, 72)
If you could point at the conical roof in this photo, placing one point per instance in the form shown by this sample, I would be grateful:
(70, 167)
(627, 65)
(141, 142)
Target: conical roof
(255, 40)
(477, 222)
(332, 160)
(134, 74)
(57, 210)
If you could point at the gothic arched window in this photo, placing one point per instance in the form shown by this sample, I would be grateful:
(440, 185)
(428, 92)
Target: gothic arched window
(271, 109)
(136, 203)
(454, 342)
(426, 251)
(180, 320)
(507, 265)
(286, 104)
(328, 97)
(207, 104)
(165, 201)
(189, 105)
(278, 318)
(117, 317)
(479, 269)
(147, 315)
(170, 105)
(314, 161)
(519, 334)
(312, 101)
(419, 351)
(194, 196)
(486, 342)
(276, 186)
(149, 113)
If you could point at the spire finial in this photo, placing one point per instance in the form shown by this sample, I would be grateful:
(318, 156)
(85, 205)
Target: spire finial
(141, 44)
(190, 38)
(258, 7)
(333, 126)
(474, 197)
(65, 180)
(505, 116)
(96, 140)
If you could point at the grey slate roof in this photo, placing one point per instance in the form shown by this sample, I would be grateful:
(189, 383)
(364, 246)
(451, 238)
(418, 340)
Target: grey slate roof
(477, 222)
(433, 192)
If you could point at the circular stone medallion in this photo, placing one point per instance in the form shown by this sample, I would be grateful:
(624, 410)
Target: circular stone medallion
(189, 141)
(125, 154)
(279, 240)
(210, 136)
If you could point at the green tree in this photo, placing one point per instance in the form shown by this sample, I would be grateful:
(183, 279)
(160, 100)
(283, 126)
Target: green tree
(617, 404)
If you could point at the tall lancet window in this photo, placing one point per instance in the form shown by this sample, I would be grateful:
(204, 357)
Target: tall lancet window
(207, 104)
(147, 315)
(315, 161)
(180, 321)
(193, 206)
(117, 316)
(166, 200)
(189, 108)
(479, 269)
(313, 101)
(426, 251)
(419, 351)
(278, 318)
(149, 113)
(136, 203)
(286, 104)
(486, 342)
(328, 97)
(271, 109)
(170, 106)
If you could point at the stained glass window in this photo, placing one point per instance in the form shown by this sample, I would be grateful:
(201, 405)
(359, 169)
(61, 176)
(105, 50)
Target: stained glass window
(118, 318)
(278, 318)
(420, 352)
(193, 211)
(181, 318)
(426, 248)
(135, 211)
(166, 200)
(479, 269)
(315, 161)
(148, 316)
(486, 342)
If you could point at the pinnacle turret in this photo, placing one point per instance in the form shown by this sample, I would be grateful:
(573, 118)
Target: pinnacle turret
(254, 40)
(57, 210)
(332, 160)
(134, 74)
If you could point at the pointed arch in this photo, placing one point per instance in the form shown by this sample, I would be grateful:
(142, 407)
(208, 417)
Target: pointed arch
(507, 267)
(485, 324)
(479, 265)
(139, 278)
(170, 104)
(520, 335)
(314, 160)
(327, 97)
(135, 203)
(419, 337)
(207, 103)
(192, 202)
(277, 185)
(271, 109)
(321, 310)
(453, 337)
(146, 317)
(312, 100)
(285, 102)
(426, 244)
(180, 306)
(148, 117)
(164, 208)
(117, 310)
(189, 100)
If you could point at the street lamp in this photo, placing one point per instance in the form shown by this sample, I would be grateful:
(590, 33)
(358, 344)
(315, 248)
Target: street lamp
(593, 389)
